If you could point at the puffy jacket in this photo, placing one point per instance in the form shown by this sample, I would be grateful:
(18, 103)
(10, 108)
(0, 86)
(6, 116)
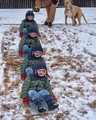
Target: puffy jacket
(44, 3)
(28, 62)
(27, 40)
(34, 82)
(27, 24)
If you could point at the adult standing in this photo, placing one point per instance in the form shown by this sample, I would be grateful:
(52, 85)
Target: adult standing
(50, 6)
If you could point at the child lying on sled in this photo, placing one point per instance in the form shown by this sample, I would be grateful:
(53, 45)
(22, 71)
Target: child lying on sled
(30, 59)
(27, 23)
(27, 41)
(37, 87)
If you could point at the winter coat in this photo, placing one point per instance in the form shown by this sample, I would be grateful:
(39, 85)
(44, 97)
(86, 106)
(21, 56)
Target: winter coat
(27, 24)
(29, 62)
(43, 3)
(29, 41)
(50, 8)
(35, 83)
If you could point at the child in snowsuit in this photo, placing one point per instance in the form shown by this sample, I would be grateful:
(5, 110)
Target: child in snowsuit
(27, 23)
(50, 6)
(37, 88)
(27, 41)
(30, 59)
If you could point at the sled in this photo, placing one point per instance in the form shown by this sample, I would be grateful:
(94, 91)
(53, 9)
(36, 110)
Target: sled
(34, 111)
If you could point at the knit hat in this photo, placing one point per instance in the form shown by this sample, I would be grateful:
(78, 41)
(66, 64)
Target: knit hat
(32, 29)
(36, 47)
(29, 13)
(39, 65)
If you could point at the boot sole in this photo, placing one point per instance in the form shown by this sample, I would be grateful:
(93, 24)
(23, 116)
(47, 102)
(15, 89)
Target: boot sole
(53, 108)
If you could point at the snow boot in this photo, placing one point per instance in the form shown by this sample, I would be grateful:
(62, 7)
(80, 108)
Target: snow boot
(45, 23)
(39, 105)
(52, 104)
(41, 108)
(50, 24)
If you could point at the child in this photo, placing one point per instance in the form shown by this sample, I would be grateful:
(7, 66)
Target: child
(30, 60)
(27, 23)
(27, 41)
(37, 87)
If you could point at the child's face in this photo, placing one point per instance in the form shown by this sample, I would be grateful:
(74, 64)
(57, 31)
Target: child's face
(33, 34)
(37, 54)
(41, 72)
(29, 17)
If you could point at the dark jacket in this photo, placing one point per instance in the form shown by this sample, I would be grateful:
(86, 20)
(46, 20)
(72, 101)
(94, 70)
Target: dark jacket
(34, 82)
(29, 62)
(27, 40)
(28, 23)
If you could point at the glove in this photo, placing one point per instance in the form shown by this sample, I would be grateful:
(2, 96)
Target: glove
(38, 34)
(25, 101)
(21, 35)
(36, 9)
(47, 75)
(23, 77)
(20, 53)
(54, 1)
(53, 96)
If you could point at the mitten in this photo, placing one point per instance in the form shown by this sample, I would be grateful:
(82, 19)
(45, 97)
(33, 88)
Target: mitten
(38, 34)
(21, 35)
(53, 96)
(23, 77)
(36, 9)
(54, 1)
(47, 75)
(20, 53)
(25, 101)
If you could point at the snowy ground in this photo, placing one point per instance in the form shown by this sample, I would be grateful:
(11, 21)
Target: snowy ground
(70, 54)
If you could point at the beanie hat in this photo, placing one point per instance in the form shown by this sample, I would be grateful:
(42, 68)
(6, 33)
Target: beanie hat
(38, 68)
(32, 29)
(39, 65)
(29, 13)
(36, 47)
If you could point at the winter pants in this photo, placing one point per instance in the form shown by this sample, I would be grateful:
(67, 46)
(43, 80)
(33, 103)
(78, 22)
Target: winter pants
(34, 94)
(29, 71)
(51, 13)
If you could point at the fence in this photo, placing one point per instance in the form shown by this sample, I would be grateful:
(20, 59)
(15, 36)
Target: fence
(85, 3)
(31, 3)
(17, 3)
